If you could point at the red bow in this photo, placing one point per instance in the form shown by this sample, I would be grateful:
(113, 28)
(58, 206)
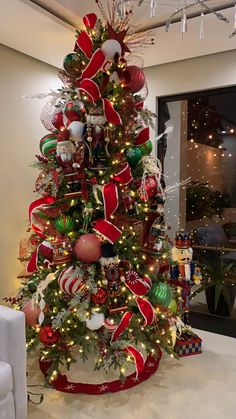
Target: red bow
(148, 313)
(92, 90)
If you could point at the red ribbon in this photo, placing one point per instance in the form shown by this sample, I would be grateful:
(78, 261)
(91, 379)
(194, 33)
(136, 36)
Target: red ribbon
(91, 89)
(96, 62)
(39, 203)
(138, 359)
(90, 20)
(124, 323)
(111, 201)
(85, 84)
(110, 113)
(124, 176)
(146, 309)
(32, 265)
(138, 286)
(85, 43)
(107, 230)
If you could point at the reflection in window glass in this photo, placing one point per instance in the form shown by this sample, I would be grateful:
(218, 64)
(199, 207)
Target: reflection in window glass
(202, 146)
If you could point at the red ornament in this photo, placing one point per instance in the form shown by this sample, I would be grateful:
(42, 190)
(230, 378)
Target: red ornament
(72, 110)
(100, 297)
(31, 312)
(88, 248)
(135, 78)
(48, 336)
(151, 187)
(58, 120)
(93, 180)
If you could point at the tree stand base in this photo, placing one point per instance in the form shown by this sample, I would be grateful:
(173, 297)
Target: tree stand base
(61, 382)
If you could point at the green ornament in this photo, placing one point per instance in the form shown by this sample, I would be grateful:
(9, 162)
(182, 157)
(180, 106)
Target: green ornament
(48, 145)
(160, 294)
(133, 155)
(146, 148)
(33, 284)
(72, 64)
(64, 224)
(173, 306)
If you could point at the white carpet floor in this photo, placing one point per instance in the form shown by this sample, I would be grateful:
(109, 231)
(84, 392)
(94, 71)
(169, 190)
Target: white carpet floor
(197, 387)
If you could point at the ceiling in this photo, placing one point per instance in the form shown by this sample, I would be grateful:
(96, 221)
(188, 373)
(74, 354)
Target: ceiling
(48, 35)
(71, 10)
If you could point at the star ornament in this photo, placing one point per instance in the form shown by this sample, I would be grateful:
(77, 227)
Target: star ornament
(118, 36)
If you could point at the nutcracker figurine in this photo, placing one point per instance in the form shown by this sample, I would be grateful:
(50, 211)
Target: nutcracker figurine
(113, 270)
(155, 229)
(97, 138)
(184, 270)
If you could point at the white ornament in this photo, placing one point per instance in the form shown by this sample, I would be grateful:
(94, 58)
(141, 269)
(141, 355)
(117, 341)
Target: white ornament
(76, 129)
(110, 48)
(38, 297)
(70, 281)
(96, 321)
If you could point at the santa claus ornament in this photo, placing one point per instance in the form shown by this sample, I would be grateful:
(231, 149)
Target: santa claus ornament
(66, 159)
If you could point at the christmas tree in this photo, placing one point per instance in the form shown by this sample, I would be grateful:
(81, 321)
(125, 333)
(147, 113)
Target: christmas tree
(97, 270)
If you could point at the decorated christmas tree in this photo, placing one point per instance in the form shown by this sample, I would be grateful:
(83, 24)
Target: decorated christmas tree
(97, 274)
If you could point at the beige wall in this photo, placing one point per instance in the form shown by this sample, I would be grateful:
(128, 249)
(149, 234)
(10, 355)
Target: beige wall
(201, 73)
(20, 132)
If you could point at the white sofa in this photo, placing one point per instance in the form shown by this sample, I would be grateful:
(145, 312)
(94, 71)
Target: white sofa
(13, 389)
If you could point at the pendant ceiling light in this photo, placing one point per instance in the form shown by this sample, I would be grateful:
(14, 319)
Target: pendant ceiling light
(181, 8)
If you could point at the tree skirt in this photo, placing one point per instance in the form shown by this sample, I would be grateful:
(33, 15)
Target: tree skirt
(61, 383)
